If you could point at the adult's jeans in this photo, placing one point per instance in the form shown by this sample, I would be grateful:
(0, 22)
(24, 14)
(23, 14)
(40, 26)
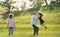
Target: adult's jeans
(35, 29)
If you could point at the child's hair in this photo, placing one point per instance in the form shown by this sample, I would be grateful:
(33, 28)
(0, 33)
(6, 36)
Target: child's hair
(40, 14)
(11, 15)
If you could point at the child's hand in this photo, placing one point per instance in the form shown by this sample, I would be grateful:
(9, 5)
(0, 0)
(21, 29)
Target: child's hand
(38, 16)
(14, 28)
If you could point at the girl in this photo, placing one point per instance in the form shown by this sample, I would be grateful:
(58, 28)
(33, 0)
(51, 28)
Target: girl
(41, 20)
(11, 24)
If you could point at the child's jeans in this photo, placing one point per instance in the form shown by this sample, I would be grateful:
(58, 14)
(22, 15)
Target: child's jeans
(10, 30)
(35, 29)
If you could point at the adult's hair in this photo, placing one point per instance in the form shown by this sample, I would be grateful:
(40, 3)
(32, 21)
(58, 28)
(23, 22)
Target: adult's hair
(34, 13)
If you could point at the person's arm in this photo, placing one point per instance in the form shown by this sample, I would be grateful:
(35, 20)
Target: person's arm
(14, 23)
(35, 18)
(7, 23)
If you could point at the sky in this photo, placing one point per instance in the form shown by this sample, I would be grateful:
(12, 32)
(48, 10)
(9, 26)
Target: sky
(19, 3)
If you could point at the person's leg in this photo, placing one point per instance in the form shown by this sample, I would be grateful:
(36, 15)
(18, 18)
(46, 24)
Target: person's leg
(34, 29)
(12, 30)
(42, 24)
(9, 31)
(37, 29)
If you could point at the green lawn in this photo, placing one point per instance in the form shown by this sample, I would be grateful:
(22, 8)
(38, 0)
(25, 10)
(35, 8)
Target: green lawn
(24, 29)
(27, 31)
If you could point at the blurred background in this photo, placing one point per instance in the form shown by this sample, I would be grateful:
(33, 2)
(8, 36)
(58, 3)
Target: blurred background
(22, 10)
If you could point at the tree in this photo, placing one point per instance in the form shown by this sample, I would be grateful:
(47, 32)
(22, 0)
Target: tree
(23, 5)
(36, 5)
(54, 5)
(7, 5)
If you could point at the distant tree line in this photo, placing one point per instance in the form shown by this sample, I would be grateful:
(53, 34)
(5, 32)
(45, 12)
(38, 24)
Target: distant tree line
(36, 6)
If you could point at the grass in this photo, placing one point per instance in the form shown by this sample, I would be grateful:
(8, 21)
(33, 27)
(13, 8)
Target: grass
(27, 31)
(24, 29)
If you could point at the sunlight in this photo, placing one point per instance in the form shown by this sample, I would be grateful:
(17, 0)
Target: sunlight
(29, 4)
(19, 3)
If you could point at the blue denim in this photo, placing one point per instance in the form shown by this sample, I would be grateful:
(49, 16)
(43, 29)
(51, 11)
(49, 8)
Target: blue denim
(35, 29)
(11, 29)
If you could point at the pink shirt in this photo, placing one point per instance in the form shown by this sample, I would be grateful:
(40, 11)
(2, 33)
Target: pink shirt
(11, 23)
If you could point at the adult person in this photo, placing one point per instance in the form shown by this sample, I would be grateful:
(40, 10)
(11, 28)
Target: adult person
(33, 23)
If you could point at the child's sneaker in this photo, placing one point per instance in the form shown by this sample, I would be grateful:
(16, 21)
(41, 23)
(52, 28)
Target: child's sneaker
(45, 27)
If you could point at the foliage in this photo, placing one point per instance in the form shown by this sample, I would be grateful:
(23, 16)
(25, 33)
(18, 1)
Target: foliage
(36, 7)
(7, 4)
